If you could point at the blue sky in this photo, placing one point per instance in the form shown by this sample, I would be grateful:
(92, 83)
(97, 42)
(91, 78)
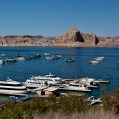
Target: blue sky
(54, 17)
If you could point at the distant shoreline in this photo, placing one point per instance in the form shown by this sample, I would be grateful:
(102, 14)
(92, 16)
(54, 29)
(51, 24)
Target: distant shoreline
(71, 38)
(62, 46)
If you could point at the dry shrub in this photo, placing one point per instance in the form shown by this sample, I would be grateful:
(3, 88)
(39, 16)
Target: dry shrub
(110, 101)
(90, 114)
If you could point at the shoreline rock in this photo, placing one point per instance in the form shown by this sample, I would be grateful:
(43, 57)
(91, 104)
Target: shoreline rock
(71, 38)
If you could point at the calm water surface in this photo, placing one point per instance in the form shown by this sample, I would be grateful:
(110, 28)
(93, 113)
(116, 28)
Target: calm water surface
(22, 70)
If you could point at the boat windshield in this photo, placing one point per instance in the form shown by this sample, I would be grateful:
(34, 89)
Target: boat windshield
(53, 76)
(57, 80)
(50, 80)
(74, 85)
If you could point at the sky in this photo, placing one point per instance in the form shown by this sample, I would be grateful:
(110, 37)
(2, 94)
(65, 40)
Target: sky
(52, 18)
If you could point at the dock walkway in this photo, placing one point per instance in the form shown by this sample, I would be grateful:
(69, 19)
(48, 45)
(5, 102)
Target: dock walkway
(94, 101)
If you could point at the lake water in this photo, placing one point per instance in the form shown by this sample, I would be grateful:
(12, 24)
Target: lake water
(22, 70)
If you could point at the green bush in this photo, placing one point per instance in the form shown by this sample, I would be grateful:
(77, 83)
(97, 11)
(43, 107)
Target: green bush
(110, 101)
(72, 104)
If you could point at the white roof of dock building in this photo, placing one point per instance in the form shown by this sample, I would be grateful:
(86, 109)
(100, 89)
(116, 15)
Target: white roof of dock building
(38, 89)
(51, 89)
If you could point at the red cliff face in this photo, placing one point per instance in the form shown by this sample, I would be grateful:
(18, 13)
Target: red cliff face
(75, 37)
(90, 39)
(71, 36)
(24, 41)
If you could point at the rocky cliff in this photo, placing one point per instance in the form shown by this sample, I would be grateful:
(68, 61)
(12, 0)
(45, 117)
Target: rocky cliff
(72, 38)
(25, 40)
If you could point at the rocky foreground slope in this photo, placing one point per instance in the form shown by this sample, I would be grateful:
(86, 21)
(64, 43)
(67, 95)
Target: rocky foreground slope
(72, 38)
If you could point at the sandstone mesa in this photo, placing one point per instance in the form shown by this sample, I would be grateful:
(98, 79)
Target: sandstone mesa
(72, 38)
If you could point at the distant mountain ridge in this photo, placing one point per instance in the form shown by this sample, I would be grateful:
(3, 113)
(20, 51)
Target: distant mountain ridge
(71, 38)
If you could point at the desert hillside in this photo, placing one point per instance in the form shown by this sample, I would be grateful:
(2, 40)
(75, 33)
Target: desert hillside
(71, 38)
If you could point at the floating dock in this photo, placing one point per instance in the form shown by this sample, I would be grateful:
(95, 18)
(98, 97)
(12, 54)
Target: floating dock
(92, 86)
(74, 90)
(94, 101)
(75, 80)
(102, 81)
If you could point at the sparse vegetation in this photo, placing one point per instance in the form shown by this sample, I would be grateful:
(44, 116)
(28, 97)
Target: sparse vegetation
(63, 108)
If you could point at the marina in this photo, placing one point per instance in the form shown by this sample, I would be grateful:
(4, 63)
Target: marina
(104, 74)
(35, 86)
(59, 59)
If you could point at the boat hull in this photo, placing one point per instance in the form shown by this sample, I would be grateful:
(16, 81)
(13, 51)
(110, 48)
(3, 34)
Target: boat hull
(14, 92)
(77, 90)
(33, 86)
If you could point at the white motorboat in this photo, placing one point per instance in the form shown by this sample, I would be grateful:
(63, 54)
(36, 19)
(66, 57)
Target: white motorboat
(10, 60)
(33, 83)
(2, 61)
(99, 58)
(74, 87)
(49, 58)
(46, 54)
(94, 62)
(56, 56)
(50, 79)
(69, 60)
(52, 57)
(3, 54)
(21, 58)
(88, 81)
(12, 87)
(18, 55)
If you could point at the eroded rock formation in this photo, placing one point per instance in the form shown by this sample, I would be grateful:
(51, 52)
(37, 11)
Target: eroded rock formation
(72, 38)
(25, 40)
(75, 37)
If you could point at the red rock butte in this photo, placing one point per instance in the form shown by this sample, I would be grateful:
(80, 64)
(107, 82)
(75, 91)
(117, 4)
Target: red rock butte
(74, 37)
(71, 38)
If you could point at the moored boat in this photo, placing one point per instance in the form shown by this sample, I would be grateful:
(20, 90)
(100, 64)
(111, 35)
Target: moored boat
(2, 61)
(21, 58)
(50, 78)
(12, 87)
(36, 56)
(69, 60)
(49, 58)
(46, 53)
(97, 60)
(94, 62)
(88, 81)
(10, 60)
(33, 83)
(100, 58)
(18, 55)
(74, 87)
(56, 56)
(3, 54)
